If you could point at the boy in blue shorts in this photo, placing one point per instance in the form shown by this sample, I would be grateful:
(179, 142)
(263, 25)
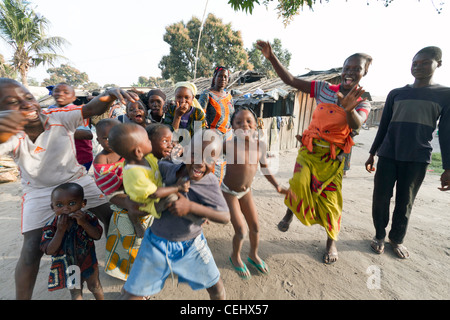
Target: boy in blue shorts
(175, 244)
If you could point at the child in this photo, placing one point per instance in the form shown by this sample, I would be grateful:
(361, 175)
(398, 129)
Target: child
(69, 239)
(141, 177)
(64, 95)
(187, 113)
(108, 165)
(160, 136)
(136, 112)
(121, 241)
(176, 245)
(403, 147)
(244, 152)
(156, 99)
(317, 178)
(46, 137)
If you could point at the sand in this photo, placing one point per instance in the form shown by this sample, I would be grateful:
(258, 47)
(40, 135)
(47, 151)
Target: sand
(294, 257)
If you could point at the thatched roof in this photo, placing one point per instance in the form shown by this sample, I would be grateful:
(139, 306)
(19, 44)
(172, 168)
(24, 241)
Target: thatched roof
(245, 83)
(242, 85)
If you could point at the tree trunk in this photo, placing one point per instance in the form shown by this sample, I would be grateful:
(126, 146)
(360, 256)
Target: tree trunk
(24, 77)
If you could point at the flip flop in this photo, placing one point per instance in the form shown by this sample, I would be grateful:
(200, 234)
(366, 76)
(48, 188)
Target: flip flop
(241, 271)
(262, 268)
(377, 245)
(400, 250)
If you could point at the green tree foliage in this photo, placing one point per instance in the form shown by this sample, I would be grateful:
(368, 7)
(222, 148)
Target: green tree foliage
(25, 32)
(154, 82)
(219, 45)
(7, 69)
(261, 64)
(70, 75)
(288, 9)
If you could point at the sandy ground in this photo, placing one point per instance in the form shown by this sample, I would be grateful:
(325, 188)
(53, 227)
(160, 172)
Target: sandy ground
(294, 257)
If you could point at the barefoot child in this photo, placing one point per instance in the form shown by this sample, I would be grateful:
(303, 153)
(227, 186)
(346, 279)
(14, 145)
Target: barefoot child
(141, 177)
(69, 239)
(244, 153)
(176, 245)
(317, 178)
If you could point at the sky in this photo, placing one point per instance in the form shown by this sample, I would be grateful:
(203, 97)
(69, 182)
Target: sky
(117, 41)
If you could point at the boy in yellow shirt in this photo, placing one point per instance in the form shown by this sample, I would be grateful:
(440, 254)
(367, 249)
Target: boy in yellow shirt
(141, 177)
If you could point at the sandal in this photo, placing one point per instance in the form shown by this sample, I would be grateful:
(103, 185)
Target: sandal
(262, 268)
(242, 272)
(377, 245)
(400, 250)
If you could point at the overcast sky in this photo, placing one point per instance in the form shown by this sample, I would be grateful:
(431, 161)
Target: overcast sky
(117, 41)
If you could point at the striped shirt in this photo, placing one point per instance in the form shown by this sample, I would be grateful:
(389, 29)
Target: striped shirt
(325, 92)
(409, 119)
(218, 110)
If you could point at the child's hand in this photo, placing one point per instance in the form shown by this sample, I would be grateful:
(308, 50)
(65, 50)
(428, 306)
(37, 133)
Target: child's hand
(181, 207)
(350, 101)
(80, 216)
(265, 48)
(118, 94)
(12, 122)
(183, 184)
(63, 222)
(369, 164)
(287, 192)
(181, 109)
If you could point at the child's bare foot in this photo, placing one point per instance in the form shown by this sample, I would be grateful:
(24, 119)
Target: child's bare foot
(400, 250)
(331, 254)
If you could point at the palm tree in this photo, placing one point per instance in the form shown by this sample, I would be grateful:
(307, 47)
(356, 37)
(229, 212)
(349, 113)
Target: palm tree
(24, 30)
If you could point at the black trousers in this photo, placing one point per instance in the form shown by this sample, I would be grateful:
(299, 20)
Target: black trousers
(407, 177)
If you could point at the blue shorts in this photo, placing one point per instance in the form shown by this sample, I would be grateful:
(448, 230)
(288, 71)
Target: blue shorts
(157, 258)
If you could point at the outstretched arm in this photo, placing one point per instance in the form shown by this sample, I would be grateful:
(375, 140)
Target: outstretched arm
(102, 103)
(283, 73)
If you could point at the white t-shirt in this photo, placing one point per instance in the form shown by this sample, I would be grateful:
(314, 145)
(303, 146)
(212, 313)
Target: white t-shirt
(48, 162)
(51, 159)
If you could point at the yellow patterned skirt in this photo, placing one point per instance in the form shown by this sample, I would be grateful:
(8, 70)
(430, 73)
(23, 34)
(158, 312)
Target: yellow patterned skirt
(317, 183)
(122, 245)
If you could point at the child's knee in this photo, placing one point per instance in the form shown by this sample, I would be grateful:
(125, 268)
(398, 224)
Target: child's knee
(240, 233)
(94, 286)
(254, 227)
(217, 291)
(31, 252)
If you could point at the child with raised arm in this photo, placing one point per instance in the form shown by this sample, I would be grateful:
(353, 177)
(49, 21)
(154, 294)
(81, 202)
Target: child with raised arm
(317, 179)
(403, 147)
(244, 152)
(174, 244)
(69, 239)
(141, 177)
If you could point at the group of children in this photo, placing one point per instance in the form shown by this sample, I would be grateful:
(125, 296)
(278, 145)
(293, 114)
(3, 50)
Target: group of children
(167, 201)
(174, 198)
